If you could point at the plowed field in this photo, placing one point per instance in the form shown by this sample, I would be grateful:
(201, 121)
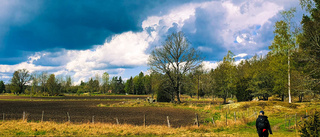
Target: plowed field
(82, 112)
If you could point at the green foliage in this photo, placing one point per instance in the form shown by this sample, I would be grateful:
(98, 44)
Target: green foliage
(19, 80)
(139, 84)
(224, 76)
(117, 85)
(311, 126)
(129, 86)
(2, 87)
(52, 85)
(164, 92)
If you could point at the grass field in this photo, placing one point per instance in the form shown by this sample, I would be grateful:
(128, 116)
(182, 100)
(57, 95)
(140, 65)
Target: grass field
(245, 113)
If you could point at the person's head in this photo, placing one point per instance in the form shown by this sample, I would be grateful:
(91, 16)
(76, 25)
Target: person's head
(261, 113)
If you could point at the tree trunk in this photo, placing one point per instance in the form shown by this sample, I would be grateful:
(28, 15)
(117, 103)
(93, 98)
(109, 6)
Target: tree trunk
(198, 86)
(289, 86)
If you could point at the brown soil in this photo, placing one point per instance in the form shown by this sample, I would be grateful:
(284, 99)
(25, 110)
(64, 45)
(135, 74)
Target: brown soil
(82, 112)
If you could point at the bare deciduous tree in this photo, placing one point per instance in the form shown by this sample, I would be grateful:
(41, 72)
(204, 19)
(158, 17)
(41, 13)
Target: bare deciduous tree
(175, 58)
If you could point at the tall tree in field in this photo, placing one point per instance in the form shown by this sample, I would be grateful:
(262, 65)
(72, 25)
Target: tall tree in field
(91, 86)
(43, 81)
(68, 84)
(34, 84)
(262, 81)
(105, 82)
(19, 80)
(129, 86)
(139, 84)
(52, 85)
(243, 78)
(224, 76)
(174, 59)
(197, 75)
(2, 87)
(285, 41)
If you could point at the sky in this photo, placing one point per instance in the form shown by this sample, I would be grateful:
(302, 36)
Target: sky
(83, 38)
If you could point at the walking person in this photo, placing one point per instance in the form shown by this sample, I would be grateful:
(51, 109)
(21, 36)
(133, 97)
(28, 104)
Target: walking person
(263, 125)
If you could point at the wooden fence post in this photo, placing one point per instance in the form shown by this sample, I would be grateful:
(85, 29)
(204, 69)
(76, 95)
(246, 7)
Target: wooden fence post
(2, 116)
(226, 118)
(289, 123)
(92, 119)
(68, 117)
(42, 116)
(295, 123)
(23, 116)
(214, 124)
(285, 120)
(168, 122)
(197, 120)
(117, 121)
(248, 111)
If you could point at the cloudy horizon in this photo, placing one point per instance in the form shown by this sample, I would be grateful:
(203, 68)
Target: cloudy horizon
(85, 38)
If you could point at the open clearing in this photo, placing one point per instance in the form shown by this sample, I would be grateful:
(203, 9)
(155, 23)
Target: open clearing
(82, 112)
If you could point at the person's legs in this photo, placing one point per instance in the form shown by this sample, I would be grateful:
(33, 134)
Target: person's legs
(260, 133)
(265, 134)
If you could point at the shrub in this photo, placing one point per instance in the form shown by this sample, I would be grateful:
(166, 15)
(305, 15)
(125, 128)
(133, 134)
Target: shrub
(311, 126)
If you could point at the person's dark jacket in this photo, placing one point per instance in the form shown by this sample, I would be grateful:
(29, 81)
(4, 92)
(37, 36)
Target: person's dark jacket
(263, 118)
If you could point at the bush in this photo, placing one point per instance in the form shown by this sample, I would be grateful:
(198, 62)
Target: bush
(163, 92)
(311, 126)
(163, 96)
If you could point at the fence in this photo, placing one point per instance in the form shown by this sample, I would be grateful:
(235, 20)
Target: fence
(290, 121)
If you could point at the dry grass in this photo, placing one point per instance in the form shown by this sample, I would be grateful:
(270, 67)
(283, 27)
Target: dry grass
(20, 128)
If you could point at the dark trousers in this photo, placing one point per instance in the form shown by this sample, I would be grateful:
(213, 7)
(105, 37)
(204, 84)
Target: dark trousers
(263, 134)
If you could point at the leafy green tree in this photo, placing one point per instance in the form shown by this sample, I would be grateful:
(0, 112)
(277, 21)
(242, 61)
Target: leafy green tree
(174, 59)
(139, 84)
(2, 87)
(284, 43)
(262, 82)
(129, 86)
(34, 84)
(52, 85)
(105, 82)
(43, 78)
(68, 84)
(117, 85)
(197, 75)
(120, 85)
(224, 76)
(243, 78)
(19, 80)
(147, 80)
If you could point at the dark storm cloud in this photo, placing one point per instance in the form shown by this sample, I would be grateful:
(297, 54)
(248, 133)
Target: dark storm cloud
(203, 32)
(28, 26)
